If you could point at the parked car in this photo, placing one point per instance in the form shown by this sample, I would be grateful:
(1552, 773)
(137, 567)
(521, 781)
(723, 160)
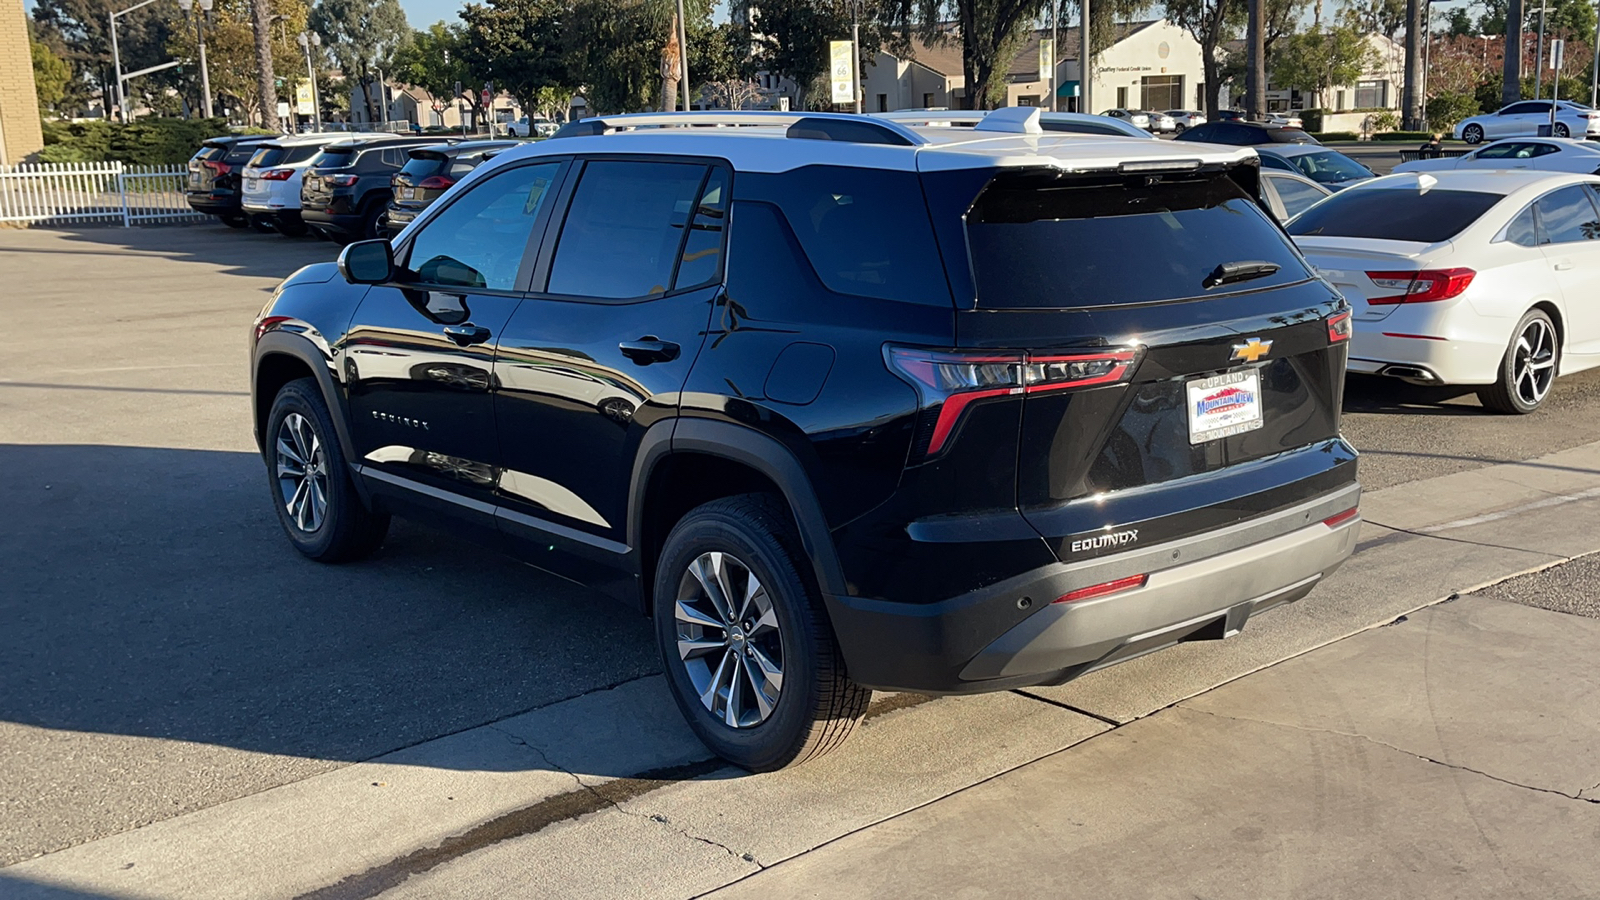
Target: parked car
(213, 185)
(1185, 119)
(1231, 115)
(430, 172)
(1250, 134)
(272, 178)
(1543, 154)
(1160, 122)
(536, 126)
(1134, 117)
(1289, 194)
(853, 405)
(1329, 168)
(346, 189)
(1283, 120)
(1076, 123)
(1524, 118)
(1486, 279)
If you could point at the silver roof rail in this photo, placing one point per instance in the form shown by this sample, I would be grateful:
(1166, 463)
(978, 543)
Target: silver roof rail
(820, 126)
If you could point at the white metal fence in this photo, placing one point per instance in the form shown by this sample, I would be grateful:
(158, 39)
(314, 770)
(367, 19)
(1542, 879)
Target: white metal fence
(65, 193)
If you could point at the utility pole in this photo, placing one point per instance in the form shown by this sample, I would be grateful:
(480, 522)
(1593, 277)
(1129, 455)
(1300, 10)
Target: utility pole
(1256, 60)
(1511, 87)
(204, 12)
(1538, 55)
(1055, 15)
(307, 41)
(855, 52)
(1085, 59)
(1594, 79)
(116, 59)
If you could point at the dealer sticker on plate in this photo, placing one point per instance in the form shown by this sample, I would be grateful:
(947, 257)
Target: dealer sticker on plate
(1223, 405)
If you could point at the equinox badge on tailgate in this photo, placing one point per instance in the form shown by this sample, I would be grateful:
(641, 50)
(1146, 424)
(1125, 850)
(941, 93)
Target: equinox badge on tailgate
(1099, 541)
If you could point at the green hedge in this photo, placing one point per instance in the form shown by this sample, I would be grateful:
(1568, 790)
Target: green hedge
(1406, 136)
(149, 141)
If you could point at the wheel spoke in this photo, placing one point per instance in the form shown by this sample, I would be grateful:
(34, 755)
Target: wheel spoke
(755, 599)
(730, 713)
(297, 504)
(686, 613)
(1541, 365)
(767, 622)
(691, 647)
(757, 687)
(771, 672)
(319, 503)
(288, 452)
(708, 696)
(707, 571)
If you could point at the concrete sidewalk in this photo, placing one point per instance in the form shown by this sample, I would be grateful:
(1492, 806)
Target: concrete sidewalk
(1453, 754)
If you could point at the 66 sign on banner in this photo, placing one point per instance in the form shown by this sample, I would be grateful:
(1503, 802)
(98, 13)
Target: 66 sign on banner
(840, 72)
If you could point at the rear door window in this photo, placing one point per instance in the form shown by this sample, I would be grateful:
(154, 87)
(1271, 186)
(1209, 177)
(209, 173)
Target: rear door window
(1037, 242)
(1403, 214)
(624, 229)
(1567, 217)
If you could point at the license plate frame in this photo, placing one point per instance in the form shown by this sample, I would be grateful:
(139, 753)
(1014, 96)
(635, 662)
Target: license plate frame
(407, 193)
(252, 184)
(1224, 405)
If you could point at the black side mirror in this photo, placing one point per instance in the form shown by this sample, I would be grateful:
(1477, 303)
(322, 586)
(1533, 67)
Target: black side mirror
(367, 262)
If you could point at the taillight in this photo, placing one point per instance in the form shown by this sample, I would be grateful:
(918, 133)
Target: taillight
(339, 180)
(276, 174)
(1420, 287)
(436, 182)
(1101, 590)
(1339, 327)
(951, 380)
(1334, 521)
(221, 168)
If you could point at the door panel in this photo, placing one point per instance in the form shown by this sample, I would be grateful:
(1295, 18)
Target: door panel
(1570, 227)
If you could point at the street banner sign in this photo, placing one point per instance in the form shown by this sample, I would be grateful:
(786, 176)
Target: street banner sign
(841, 72)
(305, 103)
(1047, 58)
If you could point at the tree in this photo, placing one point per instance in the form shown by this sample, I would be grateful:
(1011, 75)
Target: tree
(1211, 22)
(51, 75)
(79, 31)
(733, 93)
(1385, 17)
(1320, 58)
(435, 61)
(524, 46)
(363, 37)
(231, 47)
(1459, 24)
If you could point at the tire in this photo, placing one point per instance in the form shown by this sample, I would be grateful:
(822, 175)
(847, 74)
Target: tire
(299, 430)
(262, 224)
(816, 705)
(1561, 130)
(1472, 134)
(1178, 130)
(292, 228)
(371, 221)
(1528, 369)
(237, 221)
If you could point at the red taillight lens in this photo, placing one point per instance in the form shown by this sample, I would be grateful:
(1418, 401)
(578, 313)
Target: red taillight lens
(221, 168)
(1420, 287)
(951, 380)
(1101, 590)
(277, 174)
(339, 180)
(1339, 327)
(1336, 520)
(436, 182)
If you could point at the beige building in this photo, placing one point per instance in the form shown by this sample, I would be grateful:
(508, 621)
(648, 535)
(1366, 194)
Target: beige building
(20, 135)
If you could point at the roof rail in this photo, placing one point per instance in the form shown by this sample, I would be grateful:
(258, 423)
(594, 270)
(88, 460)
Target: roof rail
(817, 126)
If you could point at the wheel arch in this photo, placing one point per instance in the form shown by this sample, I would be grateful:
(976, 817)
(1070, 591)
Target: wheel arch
(683, 463)
(282, 357)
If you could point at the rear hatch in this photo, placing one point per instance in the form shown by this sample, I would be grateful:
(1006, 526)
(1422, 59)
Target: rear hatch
(328, 171)
(1181, 368)
(424, 178)
(205, 165)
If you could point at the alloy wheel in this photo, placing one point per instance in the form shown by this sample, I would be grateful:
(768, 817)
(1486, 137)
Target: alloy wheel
(1533, 365)
(302, 471)
(729, 640)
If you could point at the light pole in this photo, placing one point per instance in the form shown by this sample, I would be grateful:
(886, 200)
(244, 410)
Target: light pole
(1538, 57)
(683, 56)
(1594, 79)
(116, 57)
(200, 37)
(1085, 57)
(307, 41)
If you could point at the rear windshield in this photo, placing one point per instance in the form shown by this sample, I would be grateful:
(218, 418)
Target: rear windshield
(1289, 136)
(1395, 214)
(1038, 242)
(334, 157)
(420, 167)
(268, 156)
(283, 156)
(211, 151)
(241, 153)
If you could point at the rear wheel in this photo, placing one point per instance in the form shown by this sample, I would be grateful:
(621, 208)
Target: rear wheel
(1562, 130)
(262, 224)
(312, 490)
(1472, 134)
(1528, 369)
(291, 227)
(235, 221)
(747, 646)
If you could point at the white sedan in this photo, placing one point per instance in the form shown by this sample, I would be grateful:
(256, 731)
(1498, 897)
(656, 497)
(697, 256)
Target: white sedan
(1481, 278)
(1524, 118)
(1543, 154)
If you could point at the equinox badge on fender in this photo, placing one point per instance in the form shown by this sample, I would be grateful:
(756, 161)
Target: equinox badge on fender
(1115, 539)
(1251, 350)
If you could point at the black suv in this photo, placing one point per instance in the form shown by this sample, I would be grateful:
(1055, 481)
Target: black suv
(213, 186)
(430, 172)
(346, 189)
(842, 404)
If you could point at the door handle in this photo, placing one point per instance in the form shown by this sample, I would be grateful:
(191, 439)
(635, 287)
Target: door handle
(647, 350)
(466, 335)
(1564, 265)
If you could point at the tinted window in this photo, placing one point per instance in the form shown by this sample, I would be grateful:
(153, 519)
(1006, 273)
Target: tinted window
(702, 250)
(300, 154)
(1395, 214)
(624, 229)
(1523, 229)
(1296, 195)
(461, 165)
(1522, 109)
(394, 157)
(267, 156)
(1286, 136)
(334, 157)
(866, 231)
(1037, 243)
(1269, 161)
(1502, 150)
(240, 154)
(211, 151)
(1566, 216)
(1330, 167)
(479, 240)
(420, 167)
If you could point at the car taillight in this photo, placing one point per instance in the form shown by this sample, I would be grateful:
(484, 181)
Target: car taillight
(339, 180)
(1339, 327)
(1420, 287)
(277, 174)
(221, 168)
(1101, 590)
(951, 380)
(1334, 521)
(436, 182)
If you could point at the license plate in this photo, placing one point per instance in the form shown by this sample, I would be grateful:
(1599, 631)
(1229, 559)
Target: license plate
(1224, 405)
(194, 177)
(252, 184)
(407, 193)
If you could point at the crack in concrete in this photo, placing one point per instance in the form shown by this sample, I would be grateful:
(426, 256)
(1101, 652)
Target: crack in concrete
(1412, 753)
(617, 804)
(1440, 537)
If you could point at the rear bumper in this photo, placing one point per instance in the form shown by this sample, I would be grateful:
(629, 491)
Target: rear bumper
(213, 203)
(1011, 634)
(1393, 348)
(337, 223)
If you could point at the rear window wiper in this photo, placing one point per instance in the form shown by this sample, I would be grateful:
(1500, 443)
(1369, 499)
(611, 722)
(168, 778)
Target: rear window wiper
(1235, 272)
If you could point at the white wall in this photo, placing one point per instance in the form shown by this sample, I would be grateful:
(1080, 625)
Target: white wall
(1125, 64)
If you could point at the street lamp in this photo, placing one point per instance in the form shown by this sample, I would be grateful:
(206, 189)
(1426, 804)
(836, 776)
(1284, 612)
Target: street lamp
(1538, 58)
(116, 57)
(307, 41)
(200, 36)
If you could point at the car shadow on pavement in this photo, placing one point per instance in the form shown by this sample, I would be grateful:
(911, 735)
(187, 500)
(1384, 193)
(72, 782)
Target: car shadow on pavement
(151, 593)
(239, 251)
(14, 888)
(1375, 394)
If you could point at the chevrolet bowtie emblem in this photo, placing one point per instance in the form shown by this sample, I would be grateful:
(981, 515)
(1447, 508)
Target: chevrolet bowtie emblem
(1251, 350)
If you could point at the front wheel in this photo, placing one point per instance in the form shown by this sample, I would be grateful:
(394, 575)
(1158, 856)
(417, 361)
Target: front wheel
(312, 490)
(1528, 369)
(748, 650)
(1472, 134)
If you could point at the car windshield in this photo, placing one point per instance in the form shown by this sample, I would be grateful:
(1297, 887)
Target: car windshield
(1038, 243)
(1329, 167)
(1395, 214)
